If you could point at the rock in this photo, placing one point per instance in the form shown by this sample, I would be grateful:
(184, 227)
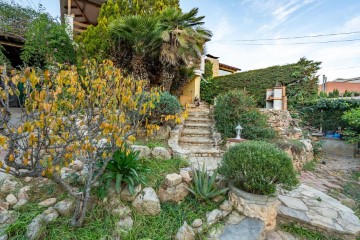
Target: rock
(64, 207)
(186, 176)
(145, 151)
(9, 185)
(226, 206)
(213, 217)
(4, 206)
(248, 229)
(218, 198)
(7, 217)
(125, 223)
(4, 237)
(173, 194)
(28, 179)
(20, 203)
(234, 218)
(161, 153)
(77, 165)
(11, 199)
(33, 229)
(185, 233)
(49, 215)
(215, 232)
(69, 175)
(147, 202)
(197, 223)
(125, 194)
(173, 179)
(121, 211)
(23, 193)
(48, 202)
(293, 203)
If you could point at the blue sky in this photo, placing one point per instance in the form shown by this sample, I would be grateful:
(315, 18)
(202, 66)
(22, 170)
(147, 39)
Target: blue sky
(258, 19)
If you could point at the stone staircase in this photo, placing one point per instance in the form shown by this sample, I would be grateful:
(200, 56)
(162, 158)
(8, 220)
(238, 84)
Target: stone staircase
(197, 138)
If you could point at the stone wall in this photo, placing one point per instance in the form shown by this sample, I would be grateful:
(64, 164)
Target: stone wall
(300, 150)
(283, 123)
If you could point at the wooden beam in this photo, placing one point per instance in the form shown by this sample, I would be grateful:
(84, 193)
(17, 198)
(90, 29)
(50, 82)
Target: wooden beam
(11, 44)
(90, 3)
(72, 7)
(81, 24)
(78, 30)
(69, 8)
(81, 11)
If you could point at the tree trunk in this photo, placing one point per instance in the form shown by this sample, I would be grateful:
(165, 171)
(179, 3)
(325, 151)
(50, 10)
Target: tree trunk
(167, 76)
(140, 72)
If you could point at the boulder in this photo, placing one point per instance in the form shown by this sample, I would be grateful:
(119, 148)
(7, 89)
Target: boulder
(33, 229)
(226, 206)
(173, 194)
(7, 217)
(77, 165)
(4, 206)
(197, 223)
(69, 175)
(185, 176)
(161, 153)
(23, 193)
(9, 185)
(49, 215)
(64, 207)
(171, 180)
(121, 211)
(28, 179)
(213, 217)
(20, 203)
(125, 194)
(144, 151)
(147, 202)
(11, 199)
(48, 202)
(185, 233)
(125, 224)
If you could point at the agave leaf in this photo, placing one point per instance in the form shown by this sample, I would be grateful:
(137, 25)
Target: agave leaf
(118, 182)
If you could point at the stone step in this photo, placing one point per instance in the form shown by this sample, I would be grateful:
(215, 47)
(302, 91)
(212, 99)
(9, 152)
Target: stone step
(198, 120)
(211, 163)
(196, 132)
(198, 125)
(247, 229)
(199, 113)
(196, 140)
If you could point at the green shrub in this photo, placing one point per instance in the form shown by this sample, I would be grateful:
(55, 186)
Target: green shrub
(296, 145)
(203, 185)
(124, 168)
(237, 107)
(352, 118)
(257, 167)
(47, 43)
(299, 78)
(327, 112)
(168, 105)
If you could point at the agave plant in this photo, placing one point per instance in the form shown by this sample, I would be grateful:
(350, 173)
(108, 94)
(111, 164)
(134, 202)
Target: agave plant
(203, 186)
(124, 168)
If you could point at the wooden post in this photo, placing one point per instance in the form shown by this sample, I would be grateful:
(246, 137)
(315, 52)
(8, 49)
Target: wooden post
(5, 87)
(69, 7)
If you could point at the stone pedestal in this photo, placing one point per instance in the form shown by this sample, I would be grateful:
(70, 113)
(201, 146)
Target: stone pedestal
(255, 206)
(233, 141)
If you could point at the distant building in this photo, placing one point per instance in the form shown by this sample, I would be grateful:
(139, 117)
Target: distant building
(341, 84)
(221, 69)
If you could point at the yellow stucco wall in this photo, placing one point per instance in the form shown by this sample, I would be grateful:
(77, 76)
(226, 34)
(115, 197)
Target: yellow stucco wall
(191, 90)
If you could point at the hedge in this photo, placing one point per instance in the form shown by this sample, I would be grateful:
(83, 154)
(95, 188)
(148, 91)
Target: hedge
(299, 78)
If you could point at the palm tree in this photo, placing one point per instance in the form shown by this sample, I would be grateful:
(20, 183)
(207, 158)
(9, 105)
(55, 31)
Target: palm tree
(137, 40)
(183, 39)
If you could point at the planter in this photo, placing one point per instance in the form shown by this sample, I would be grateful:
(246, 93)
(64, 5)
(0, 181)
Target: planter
(255, 206)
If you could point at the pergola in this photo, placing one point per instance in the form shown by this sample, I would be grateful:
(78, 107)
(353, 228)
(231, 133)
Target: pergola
(85, 12)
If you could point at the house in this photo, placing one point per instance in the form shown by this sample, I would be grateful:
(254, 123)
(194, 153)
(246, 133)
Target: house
(221, 69)
(79, 14)
(341, 84)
